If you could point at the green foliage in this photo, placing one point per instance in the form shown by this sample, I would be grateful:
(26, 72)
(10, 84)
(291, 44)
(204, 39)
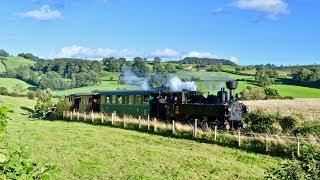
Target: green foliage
(309, 129)
(63, 105)
(54, 81)
(288, 123)
(4, 91)
(29, 56)
(4, 53)
(4, 112)
(32, 94)
(19, 166)
(113, 65)
(215, 68)
(258, 121)
(253, 93)
(262, 77)
(44, 103)
(18, 90)
(207, 61)
(307, 77)
(86, 79)
(271, 93)
(139, 67)
(158, 80)
(307, 168)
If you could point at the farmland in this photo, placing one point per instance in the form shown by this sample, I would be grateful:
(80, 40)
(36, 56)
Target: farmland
(86, 151)
(13, 62)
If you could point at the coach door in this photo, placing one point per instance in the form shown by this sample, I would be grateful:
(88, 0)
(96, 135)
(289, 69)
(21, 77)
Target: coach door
(95, 103)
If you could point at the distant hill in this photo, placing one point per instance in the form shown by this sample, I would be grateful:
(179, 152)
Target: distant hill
(14, 62)
(207, 61)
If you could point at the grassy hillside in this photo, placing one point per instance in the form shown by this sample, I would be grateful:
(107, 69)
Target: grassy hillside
(83, 151)
(13, 62)
(11, 82)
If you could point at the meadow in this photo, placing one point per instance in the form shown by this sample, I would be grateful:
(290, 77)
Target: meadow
(13, 62)
(84, 151)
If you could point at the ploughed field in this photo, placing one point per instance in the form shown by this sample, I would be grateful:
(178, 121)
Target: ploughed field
(84, 151)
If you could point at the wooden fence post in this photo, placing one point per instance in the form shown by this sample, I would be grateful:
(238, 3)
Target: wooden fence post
(148, 123)
(215, 132)
(102, 118)
(92, 116)
(239, 137)
(298, 147)
(155, 125)
(139, 119)
(112, 118)
(115, 113)
(84, 117)
(124, 121)
(173, 127)
(64, 114)
(266, 141)
(195, 128)
(71, 114)
(78, 116)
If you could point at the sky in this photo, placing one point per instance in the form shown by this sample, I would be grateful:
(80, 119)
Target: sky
(281, 32)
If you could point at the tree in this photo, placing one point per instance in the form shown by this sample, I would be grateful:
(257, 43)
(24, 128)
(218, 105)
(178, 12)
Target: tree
(139, 67)
(44, 102)
(4, 53)
(29, 56)
(4, 91)
(53, 81)
(63, 105)
(18, 90)
(261, 78)
(169, 68)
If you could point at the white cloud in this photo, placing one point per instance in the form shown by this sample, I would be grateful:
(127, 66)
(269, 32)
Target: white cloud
(165, 53)
(217, 10)
(89, 53)
(200, 54)
(43, 14)
(272, 8)
(234, 59)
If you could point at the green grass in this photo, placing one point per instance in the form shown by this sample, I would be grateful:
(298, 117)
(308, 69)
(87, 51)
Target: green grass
(83, 151)
(14, 62)
(11, 82)
(297, 91)
(104, 85)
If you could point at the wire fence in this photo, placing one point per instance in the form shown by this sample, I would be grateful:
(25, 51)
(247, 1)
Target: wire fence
(283, 145)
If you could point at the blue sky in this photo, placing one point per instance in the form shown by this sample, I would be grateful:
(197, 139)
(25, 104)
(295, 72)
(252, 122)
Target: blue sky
(247, 31)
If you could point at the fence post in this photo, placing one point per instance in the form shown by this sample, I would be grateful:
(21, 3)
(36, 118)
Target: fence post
(195, 128)
(215, 133)
(239, 137)
(155, 125)
(139, 119)
(64, 114)
(266, 141)
(78, 116)
(298, 146)
(115, 113)
(102, 118)
(124, 121)
(173, 128)
(84, 117)
(91, 116)
(148, 123)
(112, 118)
(71, 114)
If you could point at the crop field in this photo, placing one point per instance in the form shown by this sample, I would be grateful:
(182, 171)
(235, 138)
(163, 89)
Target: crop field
(308, 110)
(83, 151)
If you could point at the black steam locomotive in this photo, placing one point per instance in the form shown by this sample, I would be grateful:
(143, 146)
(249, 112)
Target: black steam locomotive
(183, 106)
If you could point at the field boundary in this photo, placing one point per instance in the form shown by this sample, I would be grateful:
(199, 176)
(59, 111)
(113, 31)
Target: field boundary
(280, 145)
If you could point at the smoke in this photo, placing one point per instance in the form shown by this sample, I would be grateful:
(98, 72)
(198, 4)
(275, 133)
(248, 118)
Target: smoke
(128, 77)
(176, 84)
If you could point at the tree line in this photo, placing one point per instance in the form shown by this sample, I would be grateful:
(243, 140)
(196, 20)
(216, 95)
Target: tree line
(205, 61)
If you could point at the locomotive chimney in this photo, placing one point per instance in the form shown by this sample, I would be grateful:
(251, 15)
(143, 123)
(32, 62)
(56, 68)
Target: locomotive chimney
(232, 85)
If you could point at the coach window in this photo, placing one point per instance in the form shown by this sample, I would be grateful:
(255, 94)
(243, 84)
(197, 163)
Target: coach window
(145, 99)
(138, 99)
(119, 100)
(113, 100)
(131, 99)
(125, 99)
(107, 99)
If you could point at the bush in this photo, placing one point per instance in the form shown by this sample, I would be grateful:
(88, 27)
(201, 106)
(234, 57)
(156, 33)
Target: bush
(258, 121)
(4, 91)
(310, 129)
(62, 105)
(288, 123)
(32, 94)
(271, 93)
(253, 93)
(111, 78)
(44, 102)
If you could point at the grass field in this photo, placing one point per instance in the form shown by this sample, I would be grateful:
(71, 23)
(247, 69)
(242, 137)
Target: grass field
(11, 82)
(104, 85)
(14, 62)
(83, 151)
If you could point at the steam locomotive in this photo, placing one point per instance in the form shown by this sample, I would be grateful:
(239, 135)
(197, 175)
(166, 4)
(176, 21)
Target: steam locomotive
(184, 106)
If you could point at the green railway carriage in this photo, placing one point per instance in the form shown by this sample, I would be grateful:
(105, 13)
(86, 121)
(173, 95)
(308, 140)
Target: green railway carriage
(80, 102)
(133, 103)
